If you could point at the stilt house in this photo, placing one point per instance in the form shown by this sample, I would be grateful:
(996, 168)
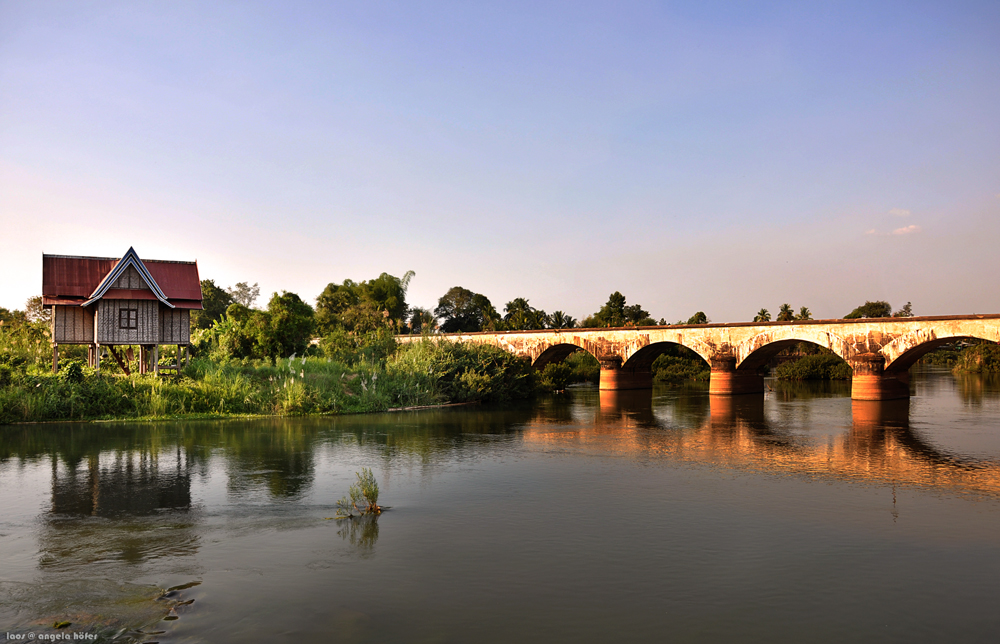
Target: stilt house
(107, 303)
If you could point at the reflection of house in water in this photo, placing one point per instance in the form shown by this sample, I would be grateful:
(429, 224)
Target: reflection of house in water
(735, 431)
(145, 492)
(121, 484)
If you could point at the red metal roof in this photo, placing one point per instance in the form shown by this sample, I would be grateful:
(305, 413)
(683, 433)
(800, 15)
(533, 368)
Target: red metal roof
(73, 279)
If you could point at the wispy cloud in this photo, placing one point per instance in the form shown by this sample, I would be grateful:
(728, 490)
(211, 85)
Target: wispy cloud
(899, 212)
(872, 232)
(906, 230)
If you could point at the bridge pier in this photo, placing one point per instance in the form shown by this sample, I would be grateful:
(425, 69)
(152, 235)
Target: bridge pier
(871, 382)
(727, 381)
(613, 376)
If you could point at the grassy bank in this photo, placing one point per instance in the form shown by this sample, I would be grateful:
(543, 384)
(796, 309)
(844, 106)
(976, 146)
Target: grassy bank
(420, 374)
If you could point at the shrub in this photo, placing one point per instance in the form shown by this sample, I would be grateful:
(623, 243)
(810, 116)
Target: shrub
(554, 377)
(584, 366)
(71, 371)
(679, 364)
(981, 358)
(825, 366)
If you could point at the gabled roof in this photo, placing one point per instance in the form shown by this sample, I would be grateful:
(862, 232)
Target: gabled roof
(75, 281)
(129, 259)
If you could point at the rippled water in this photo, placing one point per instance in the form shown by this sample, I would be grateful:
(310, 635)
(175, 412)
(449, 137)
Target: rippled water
(590, 517)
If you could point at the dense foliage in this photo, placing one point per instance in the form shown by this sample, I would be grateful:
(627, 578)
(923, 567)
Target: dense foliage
(361, 307)
(980, 358)
(423, 373)
(616, 313)
(823, 366)
(877, 309)
(678, 364)
(461, 310)
(284, 329)
(214, 301)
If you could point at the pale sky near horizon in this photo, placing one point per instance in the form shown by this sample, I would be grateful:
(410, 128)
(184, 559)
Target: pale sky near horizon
(714, 156)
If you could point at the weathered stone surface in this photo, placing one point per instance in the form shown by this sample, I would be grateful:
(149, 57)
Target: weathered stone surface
(735, 351)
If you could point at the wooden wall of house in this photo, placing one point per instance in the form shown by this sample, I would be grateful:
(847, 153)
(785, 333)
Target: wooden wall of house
(72, 325)
(109, 332)
(130, 279)
(175, 326)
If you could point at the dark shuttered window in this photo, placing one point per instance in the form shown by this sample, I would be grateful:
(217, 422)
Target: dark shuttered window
(128, 319)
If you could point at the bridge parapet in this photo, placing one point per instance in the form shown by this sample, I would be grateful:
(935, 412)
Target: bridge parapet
(880, 351)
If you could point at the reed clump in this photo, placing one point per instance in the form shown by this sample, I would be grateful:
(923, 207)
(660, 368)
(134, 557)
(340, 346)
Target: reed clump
(362, 497)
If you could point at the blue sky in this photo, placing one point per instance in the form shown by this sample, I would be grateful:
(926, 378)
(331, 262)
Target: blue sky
(694, 155)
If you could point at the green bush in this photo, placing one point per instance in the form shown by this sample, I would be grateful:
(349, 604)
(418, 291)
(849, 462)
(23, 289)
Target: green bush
(826, 366)
(71, 371)
(464, 372)
(981, 358)
(554, 377)
(584, 366)
(679, 364)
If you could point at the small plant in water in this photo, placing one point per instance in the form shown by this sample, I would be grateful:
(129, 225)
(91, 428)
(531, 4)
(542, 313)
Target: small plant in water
(362, 497)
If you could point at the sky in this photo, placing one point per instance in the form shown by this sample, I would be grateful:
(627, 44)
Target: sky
(696, 156)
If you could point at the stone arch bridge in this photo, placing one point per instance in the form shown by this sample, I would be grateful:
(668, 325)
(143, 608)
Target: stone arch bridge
(880, 351)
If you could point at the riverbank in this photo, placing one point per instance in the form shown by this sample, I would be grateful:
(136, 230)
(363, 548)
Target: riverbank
(427, 374)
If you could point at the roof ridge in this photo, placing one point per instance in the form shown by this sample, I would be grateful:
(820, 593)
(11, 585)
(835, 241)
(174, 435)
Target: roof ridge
(115, 259)
(130, 258)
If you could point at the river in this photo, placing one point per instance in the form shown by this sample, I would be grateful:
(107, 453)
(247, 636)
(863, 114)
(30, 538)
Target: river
(796, 516)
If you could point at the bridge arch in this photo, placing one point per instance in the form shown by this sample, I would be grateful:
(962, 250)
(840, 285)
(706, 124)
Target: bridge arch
(758, 350)
(556, 352)
(642, 359)
(903, 352)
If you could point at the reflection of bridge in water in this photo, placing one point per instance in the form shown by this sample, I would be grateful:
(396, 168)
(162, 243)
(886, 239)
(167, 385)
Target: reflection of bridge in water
(879, 351)
(734, 431)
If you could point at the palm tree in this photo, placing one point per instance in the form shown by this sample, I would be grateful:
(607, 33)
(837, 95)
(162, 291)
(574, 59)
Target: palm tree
(785, 313)
(762, 316)
(559, 320)
(522, 316)
(804, 314)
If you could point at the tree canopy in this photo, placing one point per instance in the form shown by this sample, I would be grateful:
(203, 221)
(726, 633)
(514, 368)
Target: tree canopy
(698, 318)
(462, 310)
(617, 313)
(244, 293)
(559, 320)
(286, 327)
(877, 309)
(521, 316)
(363, 306)
(215, 302)
(905, 312)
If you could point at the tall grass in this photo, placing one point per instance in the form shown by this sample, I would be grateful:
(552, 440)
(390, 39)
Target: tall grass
(425, 373)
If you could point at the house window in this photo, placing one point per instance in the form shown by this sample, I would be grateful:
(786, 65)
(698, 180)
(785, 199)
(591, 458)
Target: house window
(128, 319)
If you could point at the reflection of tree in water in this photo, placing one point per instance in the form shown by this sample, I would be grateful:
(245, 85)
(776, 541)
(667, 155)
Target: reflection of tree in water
(361, 531)
(974, 388)
(430, 434)
(276, 456)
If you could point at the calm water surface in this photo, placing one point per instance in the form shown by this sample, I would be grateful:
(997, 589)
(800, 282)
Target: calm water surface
(796, 516)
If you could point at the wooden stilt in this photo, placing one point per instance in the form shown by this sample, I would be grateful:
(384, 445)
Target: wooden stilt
(97, 358)
(156, 359)
(121, 363)
(55, 358)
